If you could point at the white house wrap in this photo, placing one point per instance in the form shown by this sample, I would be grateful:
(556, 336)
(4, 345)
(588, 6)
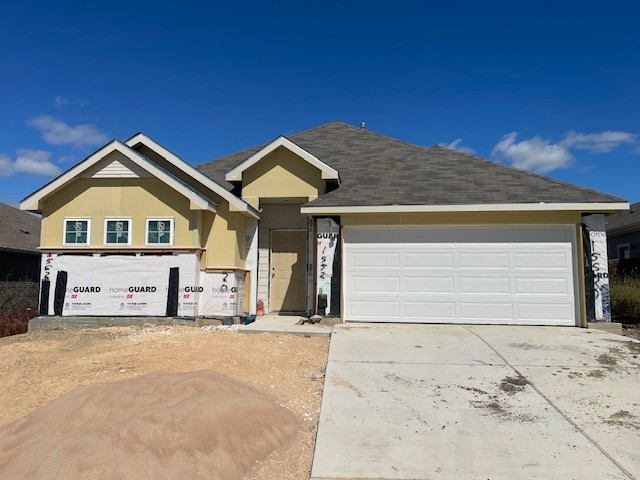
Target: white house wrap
(138, 285)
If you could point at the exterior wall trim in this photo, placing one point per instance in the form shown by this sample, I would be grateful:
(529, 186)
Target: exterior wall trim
(498, 207)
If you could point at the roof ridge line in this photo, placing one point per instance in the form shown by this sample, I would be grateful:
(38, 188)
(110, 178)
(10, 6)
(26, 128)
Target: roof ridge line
(386, 137)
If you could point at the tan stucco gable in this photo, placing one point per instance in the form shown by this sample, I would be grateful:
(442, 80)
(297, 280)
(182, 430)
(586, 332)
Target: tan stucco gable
(281, 174)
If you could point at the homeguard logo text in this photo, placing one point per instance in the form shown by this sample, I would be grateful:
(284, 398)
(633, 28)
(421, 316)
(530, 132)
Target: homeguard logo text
(84, 290)
(192, 289)
(142, 289)
(132, 289)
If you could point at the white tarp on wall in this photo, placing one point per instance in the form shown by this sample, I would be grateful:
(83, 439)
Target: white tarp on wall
(122, 285)
(126, 285)
(600, 267)
(327, 243)
(219, 293)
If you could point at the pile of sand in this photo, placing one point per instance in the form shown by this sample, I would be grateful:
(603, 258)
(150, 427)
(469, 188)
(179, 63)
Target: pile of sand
(192, 425)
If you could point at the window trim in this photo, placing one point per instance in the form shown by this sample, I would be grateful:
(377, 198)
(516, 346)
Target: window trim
(64, 231)
(171, 232)
(129, 231)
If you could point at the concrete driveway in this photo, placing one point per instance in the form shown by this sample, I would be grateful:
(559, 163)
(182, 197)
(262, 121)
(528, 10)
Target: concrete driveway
(479, 402)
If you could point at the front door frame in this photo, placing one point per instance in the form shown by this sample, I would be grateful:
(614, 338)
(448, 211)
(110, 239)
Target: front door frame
(306, 263)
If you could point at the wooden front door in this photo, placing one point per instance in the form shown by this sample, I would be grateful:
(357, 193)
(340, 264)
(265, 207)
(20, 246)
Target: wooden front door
(288, 270)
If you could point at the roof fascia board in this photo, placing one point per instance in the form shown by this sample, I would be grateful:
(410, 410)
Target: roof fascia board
(197, 201)
(505, 207)
(239, 204)
(328, 173)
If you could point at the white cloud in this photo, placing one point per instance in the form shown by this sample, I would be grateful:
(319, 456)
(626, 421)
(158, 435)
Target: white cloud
(59, 101)
(602, 142)
(6, 166)
(457, 145)
(35, 162)
(56, 132)
(534, 155)
(66, 158)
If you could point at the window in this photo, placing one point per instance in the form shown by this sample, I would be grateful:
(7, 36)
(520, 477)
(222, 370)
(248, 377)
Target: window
(117, 231)
(76, 231)
(624, 252)
(160, 231)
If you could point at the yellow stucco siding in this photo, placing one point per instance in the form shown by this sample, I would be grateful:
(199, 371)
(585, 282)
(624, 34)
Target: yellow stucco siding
(281, 174)
(179, 173)
(224, 235)
(100, 199)
(463, 218)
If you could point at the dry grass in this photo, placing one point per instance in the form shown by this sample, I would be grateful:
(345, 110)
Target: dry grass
(625, 298)
(15, 323)
(18, 304)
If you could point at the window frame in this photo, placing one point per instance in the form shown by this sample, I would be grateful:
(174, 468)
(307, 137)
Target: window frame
(64, 231)
(171, 231)
(129, 231)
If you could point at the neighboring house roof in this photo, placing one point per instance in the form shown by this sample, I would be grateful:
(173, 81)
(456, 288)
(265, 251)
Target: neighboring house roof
(376, 170)
(19, 231)
(624, 221)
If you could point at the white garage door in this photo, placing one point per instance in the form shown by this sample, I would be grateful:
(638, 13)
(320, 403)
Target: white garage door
(501, 275)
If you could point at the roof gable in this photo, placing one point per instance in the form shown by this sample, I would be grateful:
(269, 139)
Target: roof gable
(116, 165)
(235, 174)
(236, 203)
(197, 200)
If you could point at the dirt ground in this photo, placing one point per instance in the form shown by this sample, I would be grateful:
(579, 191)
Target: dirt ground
(631, 330)
(38, 367)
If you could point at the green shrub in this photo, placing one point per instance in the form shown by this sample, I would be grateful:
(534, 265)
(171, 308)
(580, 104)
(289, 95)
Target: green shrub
(625, 298)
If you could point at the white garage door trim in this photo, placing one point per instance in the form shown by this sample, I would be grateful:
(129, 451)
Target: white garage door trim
(516, 274)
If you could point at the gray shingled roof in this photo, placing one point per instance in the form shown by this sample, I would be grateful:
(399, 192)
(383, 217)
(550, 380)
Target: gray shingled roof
(624, 220)
(377, 170)
(18, 230)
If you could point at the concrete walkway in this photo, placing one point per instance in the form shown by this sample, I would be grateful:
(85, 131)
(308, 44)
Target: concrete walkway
(286, 324)
(479, 402)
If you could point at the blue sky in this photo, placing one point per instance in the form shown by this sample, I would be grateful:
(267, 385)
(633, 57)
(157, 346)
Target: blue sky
(551, 87)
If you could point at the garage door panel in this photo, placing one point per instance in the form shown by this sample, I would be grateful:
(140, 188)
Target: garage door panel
(484, 235)
(431, 260)
(433, 311)
(540, 234)
(486, 310)
(486, 285)
(387, 236)
(484, 260)
(532, 312)
(366, 284)
(545, 285)
(368, 309)
(376, 259)
(540, 260)
(429, 284)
